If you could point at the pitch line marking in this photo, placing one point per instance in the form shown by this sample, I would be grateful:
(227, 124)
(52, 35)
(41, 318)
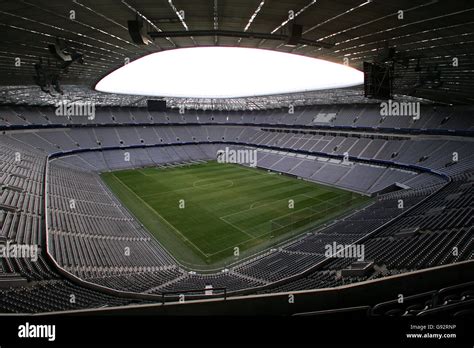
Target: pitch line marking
(203, 187)
(180, 190)
(161, 217)
(324, 210)
(252, 207)
(303, 228)
(236, 227)
(299, 230)
(188, 188)
(224, 218)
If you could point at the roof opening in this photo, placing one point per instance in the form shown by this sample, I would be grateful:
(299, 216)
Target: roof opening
(226, 72)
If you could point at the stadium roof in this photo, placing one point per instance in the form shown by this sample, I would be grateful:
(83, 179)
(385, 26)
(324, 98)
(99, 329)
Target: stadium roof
(426, 37)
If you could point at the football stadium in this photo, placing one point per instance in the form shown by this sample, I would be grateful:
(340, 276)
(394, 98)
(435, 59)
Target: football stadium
(310, 159)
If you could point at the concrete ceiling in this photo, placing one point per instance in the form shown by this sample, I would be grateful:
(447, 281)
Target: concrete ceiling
(433, 31)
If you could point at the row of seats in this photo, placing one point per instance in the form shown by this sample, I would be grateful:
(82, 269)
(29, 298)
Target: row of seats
(369, 115)
(83, 245)
(403, 245)
(443, 155)
(30, 284)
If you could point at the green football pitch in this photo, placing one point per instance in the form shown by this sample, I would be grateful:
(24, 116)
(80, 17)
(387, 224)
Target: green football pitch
(209, 215)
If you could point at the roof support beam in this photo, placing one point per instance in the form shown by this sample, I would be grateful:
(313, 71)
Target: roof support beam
(239, 34)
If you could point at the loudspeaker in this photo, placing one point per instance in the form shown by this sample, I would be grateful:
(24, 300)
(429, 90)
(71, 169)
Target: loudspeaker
(156, 105)
(58, 53)
(137, 33)
(296, 32)
(378, 81)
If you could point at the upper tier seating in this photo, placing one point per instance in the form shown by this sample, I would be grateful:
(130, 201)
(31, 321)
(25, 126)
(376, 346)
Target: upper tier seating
(363, 116)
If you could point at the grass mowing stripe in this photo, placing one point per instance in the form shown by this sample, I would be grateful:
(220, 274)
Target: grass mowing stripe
(225, 206)
(161, 217)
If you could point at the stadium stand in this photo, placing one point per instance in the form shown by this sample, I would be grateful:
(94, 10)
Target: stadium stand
(89, 241)
(384, 198)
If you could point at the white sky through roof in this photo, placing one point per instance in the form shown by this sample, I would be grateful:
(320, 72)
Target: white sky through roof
(226, 72)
